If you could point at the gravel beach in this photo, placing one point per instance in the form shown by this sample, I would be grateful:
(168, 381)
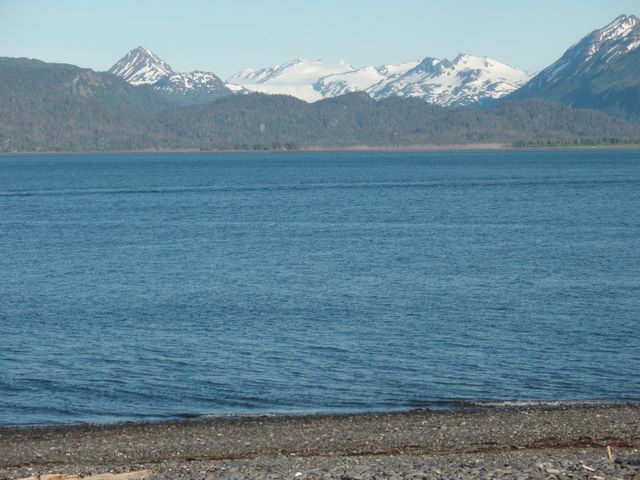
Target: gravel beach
(521, 443)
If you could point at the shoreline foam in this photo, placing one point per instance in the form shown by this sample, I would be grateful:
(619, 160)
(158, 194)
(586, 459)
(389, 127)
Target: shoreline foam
(469, 148)
(437, 406)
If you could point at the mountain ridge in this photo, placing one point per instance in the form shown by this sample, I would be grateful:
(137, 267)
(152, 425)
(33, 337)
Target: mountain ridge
(601, 70)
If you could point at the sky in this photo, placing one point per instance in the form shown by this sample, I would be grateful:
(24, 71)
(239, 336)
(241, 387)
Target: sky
(225, 36)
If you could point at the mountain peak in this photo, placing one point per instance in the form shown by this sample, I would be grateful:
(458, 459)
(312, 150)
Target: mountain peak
(461, 57)
(620, 36)
(623, 22)
(143, 50)
(619, 28)
(141, 66)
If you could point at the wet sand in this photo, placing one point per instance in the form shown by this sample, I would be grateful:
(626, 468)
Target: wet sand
(534, 442)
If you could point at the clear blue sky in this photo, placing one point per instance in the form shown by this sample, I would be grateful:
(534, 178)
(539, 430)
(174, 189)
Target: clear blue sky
(225, 36)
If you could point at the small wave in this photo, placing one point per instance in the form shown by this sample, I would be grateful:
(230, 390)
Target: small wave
(531, 403)
(307, 186)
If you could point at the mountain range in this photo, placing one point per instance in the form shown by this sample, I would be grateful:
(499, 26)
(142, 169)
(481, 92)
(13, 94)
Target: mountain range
(465, 80)
(600, 71)
(142, 103)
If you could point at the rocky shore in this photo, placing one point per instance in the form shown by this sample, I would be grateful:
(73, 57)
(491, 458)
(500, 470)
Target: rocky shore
(591, 442)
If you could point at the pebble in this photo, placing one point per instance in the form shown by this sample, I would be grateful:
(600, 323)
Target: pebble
(488, 446)
(518, 465)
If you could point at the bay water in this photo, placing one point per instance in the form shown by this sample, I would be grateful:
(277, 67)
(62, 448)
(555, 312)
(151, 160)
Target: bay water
(152, 286)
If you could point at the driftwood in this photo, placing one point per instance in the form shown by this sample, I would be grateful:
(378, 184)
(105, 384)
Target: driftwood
(137, 475)
(53, 476)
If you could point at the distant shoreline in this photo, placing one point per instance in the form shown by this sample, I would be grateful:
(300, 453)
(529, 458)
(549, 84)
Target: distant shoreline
(480, 147)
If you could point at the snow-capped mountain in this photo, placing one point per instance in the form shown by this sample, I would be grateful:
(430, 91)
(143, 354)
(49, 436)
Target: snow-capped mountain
(143, 67)
(595, 51)
(463, 81)
(600, 71)
(297, 78)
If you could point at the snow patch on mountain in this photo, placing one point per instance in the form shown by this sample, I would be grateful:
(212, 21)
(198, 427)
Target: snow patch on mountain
(297, 78)
(360, 80)
(183, 82)
(236, 88)
(353, 81)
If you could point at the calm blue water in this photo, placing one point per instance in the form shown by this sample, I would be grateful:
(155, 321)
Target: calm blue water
(149, 286)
